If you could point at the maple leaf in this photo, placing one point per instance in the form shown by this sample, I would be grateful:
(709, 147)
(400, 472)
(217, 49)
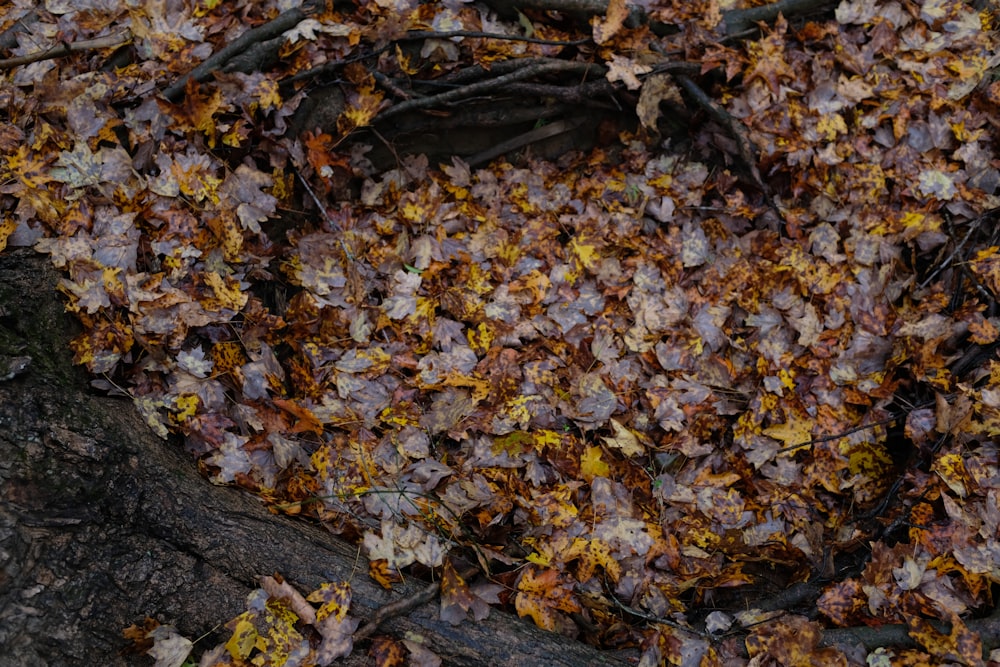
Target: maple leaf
(960, 645)
(379, 570)
(596, 403)
(592, 465)
(624, 440)
(627, 71)
(793, 432)
(197, 112)
(544, 595)
(794, 641)
(310, 28)
(363, 104)
(244, 189)
(307, 421)
(387, 652)
(269, 623)
(338, 638)
(400, 545)
(656, 90)
(7, 227)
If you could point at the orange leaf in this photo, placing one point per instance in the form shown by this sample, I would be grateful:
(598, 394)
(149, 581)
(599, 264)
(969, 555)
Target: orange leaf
(608, 27)
(542, 595)
(307, 420)
(379, 570)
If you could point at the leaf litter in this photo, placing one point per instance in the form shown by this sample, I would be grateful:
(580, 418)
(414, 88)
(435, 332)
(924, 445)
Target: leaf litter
(614, 380)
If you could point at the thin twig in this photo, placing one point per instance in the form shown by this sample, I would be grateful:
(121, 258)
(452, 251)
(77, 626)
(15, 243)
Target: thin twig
(322, 209)
(398, 608)
(430, 34)
(863, 427)
(477, 72)
(404, 606)
(334, 225)
(332, 66)
(655, 619)
(973, 227)
(68, 48)
(391, 86)
(491, 85)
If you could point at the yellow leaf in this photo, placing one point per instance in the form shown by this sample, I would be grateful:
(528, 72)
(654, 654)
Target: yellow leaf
(7, 228)
(187, 406)
(227, 293)
(585, 253)
(480, 338)
(547, 438)
(795, 431)
(538, 559)
(951, 469)
(267, 95)
(591, 465)
(243, 640)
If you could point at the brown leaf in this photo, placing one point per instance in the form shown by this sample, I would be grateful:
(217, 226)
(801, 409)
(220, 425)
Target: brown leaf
(456, 599)
(614, 19)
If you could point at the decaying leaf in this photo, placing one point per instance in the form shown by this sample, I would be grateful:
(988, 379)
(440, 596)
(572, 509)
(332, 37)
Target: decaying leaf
(657, 368)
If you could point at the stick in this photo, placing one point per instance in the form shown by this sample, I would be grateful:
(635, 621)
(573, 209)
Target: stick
(282, 23)
(722, 116)
(404, 606)
(738, 20)
(67, 48)
(530, 137)
(491, 85)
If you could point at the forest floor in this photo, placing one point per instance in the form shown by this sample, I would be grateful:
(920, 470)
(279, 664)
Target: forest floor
(667, 326)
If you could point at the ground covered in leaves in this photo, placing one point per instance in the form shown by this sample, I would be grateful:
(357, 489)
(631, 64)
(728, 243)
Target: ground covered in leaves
(643, 388)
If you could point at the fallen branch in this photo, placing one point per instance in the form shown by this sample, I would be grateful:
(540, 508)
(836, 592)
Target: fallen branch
(588, 94)
(430, 34)
(745, 150)
(67, 48)
(734, 20)
(282, 23)
(740, 20)
(549, 66)
(526, 139)
(898, 636)
(329, 68)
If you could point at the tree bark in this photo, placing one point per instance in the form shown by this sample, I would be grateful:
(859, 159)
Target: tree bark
(102, 524)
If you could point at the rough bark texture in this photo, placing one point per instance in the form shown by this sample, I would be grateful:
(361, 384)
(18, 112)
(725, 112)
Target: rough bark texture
(102, 524)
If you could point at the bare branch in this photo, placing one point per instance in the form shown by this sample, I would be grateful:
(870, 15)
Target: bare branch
(68, 48)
